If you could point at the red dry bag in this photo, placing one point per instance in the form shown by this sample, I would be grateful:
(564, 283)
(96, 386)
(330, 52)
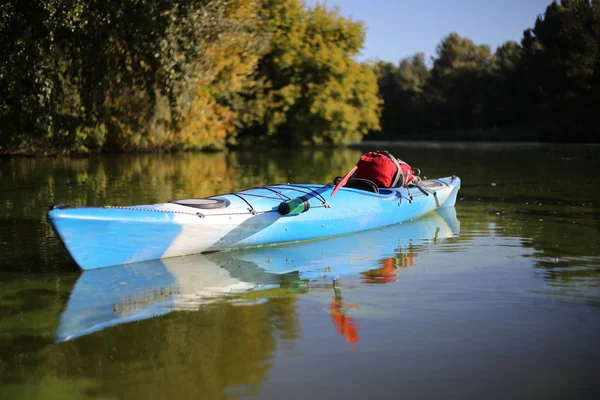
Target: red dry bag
(384, 169)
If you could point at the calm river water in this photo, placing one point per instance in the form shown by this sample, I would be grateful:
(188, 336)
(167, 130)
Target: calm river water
(496, 298)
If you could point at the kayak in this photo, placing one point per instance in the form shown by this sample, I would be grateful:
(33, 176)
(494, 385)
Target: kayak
(97, 237)
(105, 297)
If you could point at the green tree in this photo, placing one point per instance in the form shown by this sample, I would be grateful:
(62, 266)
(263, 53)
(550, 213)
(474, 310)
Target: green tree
(309, 89)
(455, 89)
(506, 58)
(402, 90)
(561, 64)
(71, 69)
(502, 91)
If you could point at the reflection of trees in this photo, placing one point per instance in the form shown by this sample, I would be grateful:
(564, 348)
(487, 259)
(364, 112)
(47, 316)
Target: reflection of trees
(37, 276)
(565, 245)
(217, 347)
(557, 221)
(196, 354)
(29, 185)
(319, 166)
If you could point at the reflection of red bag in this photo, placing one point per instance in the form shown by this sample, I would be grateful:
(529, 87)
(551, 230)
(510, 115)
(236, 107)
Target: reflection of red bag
(384, 169)
(385, 274)
(345, 325)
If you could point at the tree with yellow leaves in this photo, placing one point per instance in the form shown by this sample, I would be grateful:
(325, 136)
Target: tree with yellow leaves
(309, 87)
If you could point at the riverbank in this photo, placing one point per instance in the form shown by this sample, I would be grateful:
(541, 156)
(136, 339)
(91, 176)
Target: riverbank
(456, 139)
(82, 151)
(518, 134)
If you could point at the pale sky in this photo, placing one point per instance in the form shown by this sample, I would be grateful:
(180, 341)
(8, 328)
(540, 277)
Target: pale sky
(400, 28)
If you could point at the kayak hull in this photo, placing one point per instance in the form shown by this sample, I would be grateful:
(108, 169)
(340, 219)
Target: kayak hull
(105, 236)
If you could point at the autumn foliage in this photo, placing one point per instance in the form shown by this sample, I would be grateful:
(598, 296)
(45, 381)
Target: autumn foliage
(180, 74)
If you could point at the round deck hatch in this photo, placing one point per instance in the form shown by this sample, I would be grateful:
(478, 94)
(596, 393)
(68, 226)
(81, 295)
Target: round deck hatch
(200, 203)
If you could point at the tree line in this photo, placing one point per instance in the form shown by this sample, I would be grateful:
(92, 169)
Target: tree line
(184, 74)
(79, 75)
(546, 88)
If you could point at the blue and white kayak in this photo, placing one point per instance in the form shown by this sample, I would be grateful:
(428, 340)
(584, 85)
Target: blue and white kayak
(106, 236)
(106, 297)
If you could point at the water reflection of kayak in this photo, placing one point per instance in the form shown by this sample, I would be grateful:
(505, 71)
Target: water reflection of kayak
(108, 296)
(350, 254)
(105, 236)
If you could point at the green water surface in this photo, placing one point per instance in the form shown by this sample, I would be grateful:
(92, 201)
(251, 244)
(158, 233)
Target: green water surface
(507, 307)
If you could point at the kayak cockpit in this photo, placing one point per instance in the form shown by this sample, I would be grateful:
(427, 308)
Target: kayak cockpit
(362, 184)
